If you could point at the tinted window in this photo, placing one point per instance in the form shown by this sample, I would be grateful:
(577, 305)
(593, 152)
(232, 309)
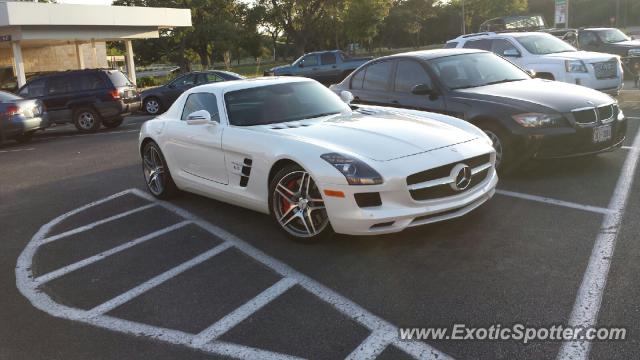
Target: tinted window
(118, 79)
(33, 89)
(59, 85)
(499, 46)
(209, 78)
(201, 101)
(377, 76)
(450, 45)
(544, 44)
(328, 59)
(587, 38)
(310, 60)
(91, 82)
(185, 80)
(357, 79)
(281, 103)
(409, 74)
(484, 44)
(5, 96)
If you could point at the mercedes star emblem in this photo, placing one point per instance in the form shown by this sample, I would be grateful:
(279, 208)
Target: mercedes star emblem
(461, 175)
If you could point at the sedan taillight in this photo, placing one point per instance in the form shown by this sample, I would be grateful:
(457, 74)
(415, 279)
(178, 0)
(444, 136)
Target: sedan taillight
(12, 110)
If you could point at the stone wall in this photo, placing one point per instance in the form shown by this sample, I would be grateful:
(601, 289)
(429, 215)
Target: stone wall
(56, 57)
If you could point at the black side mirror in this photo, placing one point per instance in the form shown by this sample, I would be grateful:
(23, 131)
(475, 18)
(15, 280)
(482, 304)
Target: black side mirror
(422, 89)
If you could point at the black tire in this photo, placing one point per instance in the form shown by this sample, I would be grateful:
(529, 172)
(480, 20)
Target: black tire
(86, 119)
(112, 123)
(503, 145)
(161, 185)
(152, 105)
(314, 226)
(25, 137)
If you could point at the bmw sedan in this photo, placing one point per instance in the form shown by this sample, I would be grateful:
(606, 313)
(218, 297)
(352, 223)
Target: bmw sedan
(524, 117)
(291, 148)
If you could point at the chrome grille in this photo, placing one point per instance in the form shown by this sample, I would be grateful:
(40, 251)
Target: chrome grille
(436, 183)
(606, 70)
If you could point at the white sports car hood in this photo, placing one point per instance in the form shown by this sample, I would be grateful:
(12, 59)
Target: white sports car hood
(380, 137)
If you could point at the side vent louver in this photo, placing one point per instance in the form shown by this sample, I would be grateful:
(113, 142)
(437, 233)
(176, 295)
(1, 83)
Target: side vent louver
(246, 172)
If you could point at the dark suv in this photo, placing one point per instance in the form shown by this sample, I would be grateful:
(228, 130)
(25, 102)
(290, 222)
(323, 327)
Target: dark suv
(88, 98)
(612, 41)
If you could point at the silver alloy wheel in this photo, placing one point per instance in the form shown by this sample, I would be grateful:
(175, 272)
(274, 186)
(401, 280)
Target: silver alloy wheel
(153, 170)
(497, 145)
(86, 120)
(298, 205)
(152, 106)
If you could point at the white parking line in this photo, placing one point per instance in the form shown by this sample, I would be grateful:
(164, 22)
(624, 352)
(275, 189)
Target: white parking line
(383, 334)
(556, 202)
(150, 284)
(82, 263)
(589, 299)
(237, 316)
(16, 150)
(96, 223)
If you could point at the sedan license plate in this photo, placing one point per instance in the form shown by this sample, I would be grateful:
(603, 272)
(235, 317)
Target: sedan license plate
(602, 134)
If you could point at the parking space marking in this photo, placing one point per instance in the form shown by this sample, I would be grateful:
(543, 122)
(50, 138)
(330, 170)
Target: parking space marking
(150, 284)
(237, 316)
(16, 150)
(90, 260)
(96, 223)
(589, 298)
(556, 202)
(383, 333)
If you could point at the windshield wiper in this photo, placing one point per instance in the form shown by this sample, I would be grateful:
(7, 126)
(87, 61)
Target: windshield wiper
(501, 81)
(319, 115)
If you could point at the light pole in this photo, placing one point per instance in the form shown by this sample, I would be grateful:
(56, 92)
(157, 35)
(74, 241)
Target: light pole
(464, 25)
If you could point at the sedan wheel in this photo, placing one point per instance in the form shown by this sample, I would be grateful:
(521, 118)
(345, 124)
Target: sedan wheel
(156, 173)
(497, 145)
(297, 205)
(152, 106)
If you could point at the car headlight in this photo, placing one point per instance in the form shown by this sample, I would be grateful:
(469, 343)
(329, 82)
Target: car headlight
(355, 171)
(575, 66)
(537, 120)
(620, 115)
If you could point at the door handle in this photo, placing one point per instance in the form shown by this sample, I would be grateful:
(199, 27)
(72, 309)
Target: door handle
(395, 102)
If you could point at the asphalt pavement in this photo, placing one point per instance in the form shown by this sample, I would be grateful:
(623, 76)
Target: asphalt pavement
(91, 267)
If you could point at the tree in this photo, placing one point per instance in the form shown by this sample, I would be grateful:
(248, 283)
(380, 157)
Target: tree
(363, 18)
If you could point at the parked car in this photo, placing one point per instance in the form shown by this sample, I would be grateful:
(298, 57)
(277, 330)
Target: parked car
(551, 58)
(291, 148)
(21, 118)
(612, 41)
(157, 100)
(327, 67)
(88, 98)
(524, 117)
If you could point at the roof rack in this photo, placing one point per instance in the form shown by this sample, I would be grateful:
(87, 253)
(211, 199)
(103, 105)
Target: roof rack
(477, 34)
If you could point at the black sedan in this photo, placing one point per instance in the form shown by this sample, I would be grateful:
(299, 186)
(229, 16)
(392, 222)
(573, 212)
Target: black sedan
(158, 100)
(525, 117)
(20, 118)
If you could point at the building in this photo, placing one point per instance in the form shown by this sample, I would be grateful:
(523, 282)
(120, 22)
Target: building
(42, 37)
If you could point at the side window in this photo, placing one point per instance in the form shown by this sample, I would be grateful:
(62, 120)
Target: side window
(209, 78)
(33, 89)
(328, 59)
(91, 82)
(357, 79)
(484, 44)
(587, 39)
(185, 80)
(409, 74)
(450, 45)
(377, 76)
(310, 60)
(201, 101)
(58, 85)
(504, 47)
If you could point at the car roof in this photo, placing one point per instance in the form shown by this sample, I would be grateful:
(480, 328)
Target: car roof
(433, 54)
(226, 86)
(597, 28)
(493, 34)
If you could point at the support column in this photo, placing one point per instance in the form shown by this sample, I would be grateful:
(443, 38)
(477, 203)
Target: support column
(94, 54)
(131, 66)
(18, 63)
(79, 56)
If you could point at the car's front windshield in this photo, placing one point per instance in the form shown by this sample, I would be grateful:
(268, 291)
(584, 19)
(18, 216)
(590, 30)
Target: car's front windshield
(611, 36)
(282, 102)
(544, 44)
(475, 69)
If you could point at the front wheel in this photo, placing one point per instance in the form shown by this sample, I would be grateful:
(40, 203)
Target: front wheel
(501, 144)
(156, 173)
(152, 106)
(297, 205)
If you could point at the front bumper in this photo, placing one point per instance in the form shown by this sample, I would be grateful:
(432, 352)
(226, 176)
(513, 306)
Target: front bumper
(398, 210)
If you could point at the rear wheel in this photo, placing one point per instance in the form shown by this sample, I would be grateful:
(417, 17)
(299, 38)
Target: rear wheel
(86, 120)
(297, 205)
(156, 173)
(113, 123)
(152, 106)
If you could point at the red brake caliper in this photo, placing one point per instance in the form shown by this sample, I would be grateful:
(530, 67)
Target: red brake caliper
(285, 205)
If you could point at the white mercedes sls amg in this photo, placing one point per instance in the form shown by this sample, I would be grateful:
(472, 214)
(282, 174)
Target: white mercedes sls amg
(291, 148)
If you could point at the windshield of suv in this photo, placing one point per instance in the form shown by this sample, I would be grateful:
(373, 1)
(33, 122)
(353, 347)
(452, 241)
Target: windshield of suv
(544, 44)
(476, 69)
(279, 103)
(611, 36)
